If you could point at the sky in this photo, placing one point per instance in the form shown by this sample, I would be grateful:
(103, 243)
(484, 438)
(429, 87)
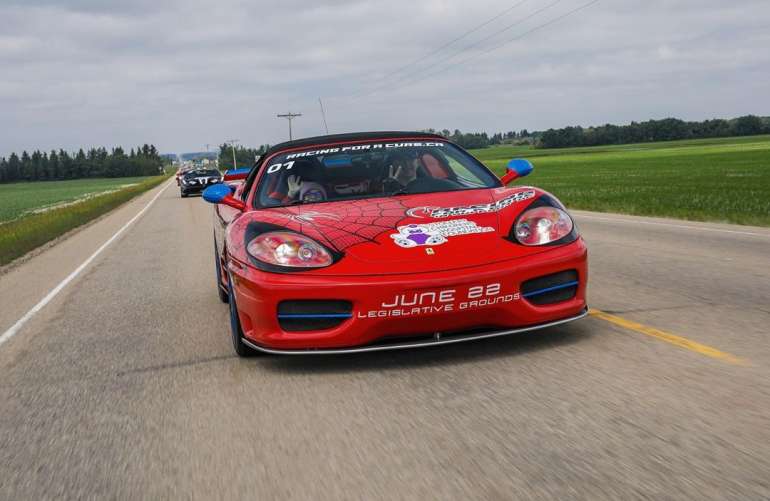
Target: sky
(184, 73)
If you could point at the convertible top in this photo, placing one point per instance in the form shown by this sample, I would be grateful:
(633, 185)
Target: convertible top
(356, 136)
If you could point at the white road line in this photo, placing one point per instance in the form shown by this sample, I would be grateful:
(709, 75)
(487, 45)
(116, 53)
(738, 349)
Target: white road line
(696, 228)
(15, 328)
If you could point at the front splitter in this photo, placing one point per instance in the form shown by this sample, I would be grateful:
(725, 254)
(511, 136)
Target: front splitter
(437, 340)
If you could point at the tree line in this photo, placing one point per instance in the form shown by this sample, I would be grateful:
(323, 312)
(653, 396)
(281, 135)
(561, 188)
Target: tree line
(96, 162)
(244, 157)
(473, 140)
(668, 129)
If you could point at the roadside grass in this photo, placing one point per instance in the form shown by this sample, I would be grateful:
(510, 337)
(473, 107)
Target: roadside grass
(722, 180)
(21, 235)
(19, 199)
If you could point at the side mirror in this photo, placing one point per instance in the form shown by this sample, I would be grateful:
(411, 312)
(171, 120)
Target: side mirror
(223, 194)
(518, 167)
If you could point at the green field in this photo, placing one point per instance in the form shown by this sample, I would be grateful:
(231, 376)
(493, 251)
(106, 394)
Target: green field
(23, 226)
(18, 199)
(724, 180)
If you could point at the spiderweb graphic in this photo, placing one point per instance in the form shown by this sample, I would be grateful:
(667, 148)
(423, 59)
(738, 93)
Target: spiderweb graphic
(343, 224)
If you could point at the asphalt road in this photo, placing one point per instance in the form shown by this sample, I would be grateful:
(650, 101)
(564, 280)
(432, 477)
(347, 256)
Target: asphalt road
(125, 384)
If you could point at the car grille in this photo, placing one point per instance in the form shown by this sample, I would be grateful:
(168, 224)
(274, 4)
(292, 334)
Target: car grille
(309, 315)
(550, 289)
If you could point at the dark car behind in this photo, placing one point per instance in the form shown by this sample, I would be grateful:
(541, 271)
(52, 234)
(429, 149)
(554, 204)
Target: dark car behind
(198, 180)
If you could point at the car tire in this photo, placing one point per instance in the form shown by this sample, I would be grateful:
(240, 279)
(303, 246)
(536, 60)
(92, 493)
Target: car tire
(235, 325)
(183, 194)
(223, 295)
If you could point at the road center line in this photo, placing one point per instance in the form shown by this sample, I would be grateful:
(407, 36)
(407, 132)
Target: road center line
(15, 328)
(579, 216)
(680, 341)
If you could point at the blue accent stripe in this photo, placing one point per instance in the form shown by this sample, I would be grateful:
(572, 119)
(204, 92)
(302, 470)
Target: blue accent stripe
(549, 289)
(315, 315)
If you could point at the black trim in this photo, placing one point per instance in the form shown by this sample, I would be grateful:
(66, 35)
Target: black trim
(354, 136)
(551, 289)
(299, 315)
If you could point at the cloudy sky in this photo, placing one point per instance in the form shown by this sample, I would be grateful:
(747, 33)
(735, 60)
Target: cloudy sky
(183, 73)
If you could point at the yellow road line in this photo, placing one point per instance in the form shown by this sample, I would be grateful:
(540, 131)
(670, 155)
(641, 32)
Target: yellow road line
(680, 341)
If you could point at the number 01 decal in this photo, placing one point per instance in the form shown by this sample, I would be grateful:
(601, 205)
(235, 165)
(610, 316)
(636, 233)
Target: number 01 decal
(277, 167)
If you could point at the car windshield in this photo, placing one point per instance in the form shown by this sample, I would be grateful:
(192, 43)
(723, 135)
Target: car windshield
(202, 172)
(368, 170)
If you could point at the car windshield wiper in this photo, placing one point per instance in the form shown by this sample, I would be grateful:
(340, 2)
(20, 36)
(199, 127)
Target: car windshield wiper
(402, 191)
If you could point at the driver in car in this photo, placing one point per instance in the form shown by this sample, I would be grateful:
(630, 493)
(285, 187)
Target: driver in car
(300, 185)
(304, 191)
(401, 172)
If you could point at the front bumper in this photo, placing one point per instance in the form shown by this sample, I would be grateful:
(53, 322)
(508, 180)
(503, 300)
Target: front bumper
(196, 188)
(436, 340)
(461, 305)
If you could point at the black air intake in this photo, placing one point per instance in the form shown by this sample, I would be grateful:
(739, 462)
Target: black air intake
(310, 315)
(550, 289)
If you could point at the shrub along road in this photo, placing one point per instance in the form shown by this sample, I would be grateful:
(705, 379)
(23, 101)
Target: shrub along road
(125, 384)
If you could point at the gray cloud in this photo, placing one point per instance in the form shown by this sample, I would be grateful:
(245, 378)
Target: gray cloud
(181, 73)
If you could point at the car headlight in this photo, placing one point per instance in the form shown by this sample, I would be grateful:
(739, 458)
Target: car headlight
(288, 249)
(543, 225)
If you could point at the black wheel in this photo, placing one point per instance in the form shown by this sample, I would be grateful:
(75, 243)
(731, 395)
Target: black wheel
(235, 325)
(183, 194)
(223, 295)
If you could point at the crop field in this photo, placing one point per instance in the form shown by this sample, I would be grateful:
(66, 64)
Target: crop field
(19, 199)
(32, 214)
(722, 180)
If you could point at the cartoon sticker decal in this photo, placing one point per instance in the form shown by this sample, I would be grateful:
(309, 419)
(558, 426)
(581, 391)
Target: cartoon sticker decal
(415, 235)
(467, 210)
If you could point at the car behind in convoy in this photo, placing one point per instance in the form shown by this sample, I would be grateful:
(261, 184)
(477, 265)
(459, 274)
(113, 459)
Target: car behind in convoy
(375, 241)
(197, 180)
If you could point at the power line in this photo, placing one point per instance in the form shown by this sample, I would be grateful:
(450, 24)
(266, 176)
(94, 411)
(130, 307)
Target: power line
(503, 30)
(464, 49)
(499, 46)
(472, 30)
(323, 114)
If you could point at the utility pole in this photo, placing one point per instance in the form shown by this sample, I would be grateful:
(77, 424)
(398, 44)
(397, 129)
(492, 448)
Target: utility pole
(232, 142)
(289, 116)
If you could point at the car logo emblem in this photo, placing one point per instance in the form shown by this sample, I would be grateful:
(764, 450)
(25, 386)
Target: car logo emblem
(429, 251)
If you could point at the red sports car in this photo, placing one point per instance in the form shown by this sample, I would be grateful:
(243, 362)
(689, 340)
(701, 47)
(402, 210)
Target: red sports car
(375, 241)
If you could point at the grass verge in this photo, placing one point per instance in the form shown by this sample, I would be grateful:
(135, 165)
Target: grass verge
(22, 235)
(23, 199)
(724, 180)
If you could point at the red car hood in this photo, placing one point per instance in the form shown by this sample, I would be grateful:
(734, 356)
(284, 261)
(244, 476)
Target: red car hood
(411, 233)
